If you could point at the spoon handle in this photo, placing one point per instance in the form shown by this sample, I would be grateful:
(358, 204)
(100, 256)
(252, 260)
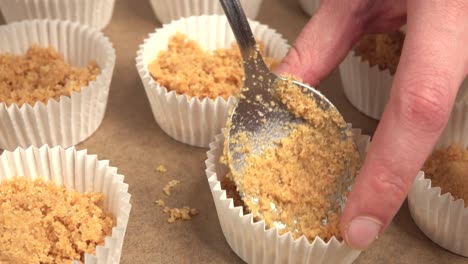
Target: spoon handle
(240, 26)
(253, 61)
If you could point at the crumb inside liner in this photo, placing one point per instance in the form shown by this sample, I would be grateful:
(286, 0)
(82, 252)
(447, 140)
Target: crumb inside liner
(290, 186)
(383, 50)
(41, 74)
(44, 223)
(188, 69)
(448, 169)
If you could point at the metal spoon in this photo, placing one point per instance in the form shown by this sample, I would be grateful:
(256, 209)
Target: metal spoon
(251, 108)
(259, 114)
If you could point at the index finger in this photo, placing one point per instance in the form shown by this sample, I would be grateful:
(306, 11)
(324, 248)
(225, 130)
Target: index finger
(432, 67)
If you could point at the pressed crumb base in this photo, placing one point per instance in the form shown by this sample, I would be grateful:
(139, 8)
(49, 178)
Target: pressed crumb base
(41, 74)
(292, 186)
(448, 169)
(383, 50)
(187, 69)
(43, 223)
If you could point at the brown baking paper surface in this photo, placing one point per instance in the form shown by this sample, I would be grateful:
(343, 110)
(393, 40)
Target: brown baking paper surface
(132, 141)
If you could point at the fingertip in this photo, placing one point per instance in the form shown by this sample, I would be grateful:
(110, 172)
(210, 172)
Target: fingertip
(362, 231)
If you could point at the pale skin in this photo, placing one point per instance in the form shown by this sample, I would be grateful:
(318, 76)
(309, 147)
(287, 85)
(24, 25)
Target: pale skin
(433, 64)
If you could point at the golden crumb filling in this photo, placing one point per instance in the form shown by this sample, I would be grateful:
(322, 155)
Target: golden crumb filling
(43, 223)
(448, 169)
(40, 75)
(187, 69)
(383, 50)
(295, 185)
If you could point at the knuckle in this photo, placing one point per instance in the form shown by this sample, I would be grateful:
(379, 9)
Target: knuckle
(293, 58)
(425, 104)
(392, 184)
(460, 5)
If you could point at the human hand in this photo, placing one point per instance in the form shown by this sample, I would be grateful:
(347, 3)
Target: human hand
(432, 66)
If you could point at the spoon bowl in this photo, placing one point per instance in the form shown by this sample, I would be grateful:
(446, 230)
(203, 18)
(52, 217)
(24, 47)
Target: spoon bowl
(260, 119)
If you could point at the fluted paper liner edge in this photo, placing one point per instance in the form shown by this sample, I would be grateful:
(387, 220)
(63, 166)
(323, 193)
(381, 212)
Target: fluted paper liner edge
(367, 88)
(71, 119)
(93, 13)
(169, 10)
(191, 120)
(252, 242)
(441, 217)
(76, 169)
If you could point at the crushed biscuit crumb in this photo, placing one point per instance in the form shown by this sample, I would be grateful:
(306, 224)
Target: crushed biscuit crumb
(168, 188)
(299, 185)
(161, 169)
(160, 203)
(184, 213)
(174, 214)
(43, 223)
(448, 169)
(41, 74)
(383, 50)
(187, 69)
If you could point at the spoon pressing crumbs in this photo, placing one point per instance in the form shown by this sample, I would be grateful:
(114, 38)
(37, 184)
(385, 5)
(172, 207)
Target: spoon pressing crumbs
(291, 154)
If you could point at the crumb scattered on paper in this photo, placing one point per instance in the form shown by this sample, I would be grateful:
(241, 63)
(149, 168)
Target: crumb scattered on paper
(168, 188)
(174, 214)
(161, 169)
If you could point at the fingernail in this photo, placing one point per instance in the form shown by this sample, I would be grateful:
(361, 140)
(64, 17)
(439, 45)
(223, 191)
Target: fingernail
(362, 231)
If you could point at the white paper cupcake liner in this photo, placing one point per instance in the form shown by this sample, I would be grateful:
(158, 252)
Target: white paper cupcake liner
(95, 13)
(169, 10)
(310, 6)
(191, 120)
(442, 218)
(69, 120)
(252, 242)
(82, 172)
(367, 88)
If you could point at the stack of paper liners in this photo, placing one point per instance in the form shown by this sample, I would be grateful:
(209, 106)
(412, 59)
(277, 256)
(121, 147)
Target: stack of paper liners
(252, 241)
(84, 173)
(169, 10)
(69, 120)
(93, 13)
(187, 119)
(442, 218)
